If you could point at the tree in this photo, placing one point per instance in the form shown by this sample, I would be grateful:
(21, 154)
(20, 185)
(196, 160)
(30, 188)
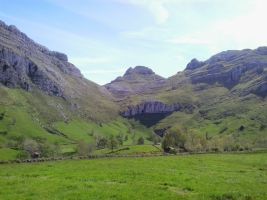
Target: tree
(156, 139)
(31, 147)
(84, 148)
(101, 142)
(91, 148)
(120, 139)
(113, 143)
(22, 155)
(91, 133)
(174, 139)
(168, 142)
(140, 141)
(195, 142)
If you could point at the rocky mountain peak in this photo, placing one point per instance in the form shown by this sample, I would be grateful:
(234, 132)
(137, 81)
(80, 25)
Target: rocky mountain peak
(194, 64)
(231, 68)
(27, 64)
(139, 70)
(261, 50)
(136, 80)
(29, 47)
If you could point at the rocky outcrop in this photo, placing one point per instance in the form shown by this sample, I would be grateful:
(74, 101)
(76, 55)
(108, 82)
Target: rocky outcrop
(229, 68)
(194, 64)
(227, 78)
(154, 107)
(259, 87)
(139, 70)
(261, 50)
(13, 39)
(28, 65)
(17, 71)
(137, 80)
(58, 55)
(260, 90)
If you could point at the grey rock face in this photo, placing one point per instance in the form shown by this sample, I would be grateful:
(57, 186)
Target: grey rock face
(139, 70)
(153, 107)
(60, 56)
(227, 56)
(261, 90)
(11, 37)
(228, 78)
(17, 71)
(194, 64)
(28, 65)
(230, 68)
(262, 50)
(136, 80)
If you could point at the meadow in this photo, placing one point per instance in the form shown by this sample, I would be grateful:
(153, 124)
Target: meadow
(205, 176)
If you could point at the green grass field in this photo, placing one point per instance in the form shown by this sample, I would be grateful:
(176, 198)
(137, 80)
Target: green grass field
(207, 176)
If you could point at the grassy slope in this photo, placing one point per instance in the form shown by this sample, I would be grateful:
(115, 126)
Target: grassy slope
(219, 112)
(25, 115)
(223, 111)
(198, 177)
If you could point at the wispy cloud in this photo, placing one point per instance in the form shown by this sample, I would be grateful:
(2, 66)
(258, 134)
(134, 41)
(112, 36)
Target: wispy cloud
(157, 8)
(189, 41)
(147, 33)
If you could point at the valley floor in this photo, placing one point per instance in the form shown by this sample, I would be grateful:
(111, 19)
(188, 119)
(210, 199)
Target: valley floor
(207, 176)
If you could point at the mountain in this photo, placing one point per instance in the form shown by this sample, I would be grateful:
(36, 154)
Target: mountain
(31, 67)
(46, 100)
(232, 68)
(222, 97)
(46, 103)
(137, 80)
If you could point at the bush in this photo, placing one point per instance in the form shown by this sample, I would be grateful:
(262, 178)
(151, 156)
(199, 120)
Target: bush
(112, 143)
(101, 143)
(155, 139)
(84, 148)
(140, 141)
(174, 139)
(31, 147)
(22, 155)
(120, 139)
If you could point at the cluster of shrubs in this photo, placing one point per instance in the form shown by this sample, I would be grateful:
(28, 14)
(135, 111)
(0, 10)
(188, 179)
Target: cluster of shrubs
(101, 142)
(39, 148)
(33, 147)
(175, 141)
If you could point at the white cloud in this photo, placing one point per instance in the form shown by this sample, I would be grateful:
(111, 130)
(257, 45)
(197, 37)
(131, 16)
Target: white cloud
(247, 30)
(156, 7)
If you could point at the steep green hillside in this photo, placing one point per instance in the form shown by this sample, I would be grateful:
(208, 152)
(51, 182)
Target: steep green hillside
(47, 106)
(48, 121)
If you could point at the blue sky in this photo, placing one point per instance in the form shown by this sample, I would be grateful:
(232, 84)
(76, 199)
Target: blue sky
(105, 37)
